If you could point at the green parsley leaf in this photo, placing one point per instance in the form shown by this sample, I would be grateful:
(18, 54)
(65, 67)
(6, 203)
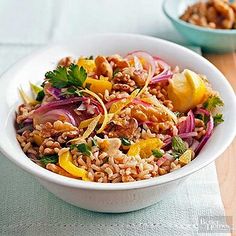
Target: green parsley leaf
(125, 142)
(157, 153)
(212, 102)
(40, 96)
(49, 159)
(178, 145)
(84, 149)
(63, 77)
(76, 75)
(58, 78)
(218, 118)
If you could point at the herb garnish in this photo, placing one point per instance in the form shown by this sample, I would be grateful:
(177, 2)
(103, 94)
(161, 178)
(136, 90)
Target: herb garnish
(83, 148)
(40, 96)
(157, 153)
(49, 159)
(212, 102)
(63, 77)
(218, 118)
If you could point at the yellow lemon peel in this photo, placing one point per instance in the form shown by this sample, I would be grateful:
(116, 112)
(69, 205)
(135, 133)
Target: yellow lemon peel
(91, 127)
(105, 121)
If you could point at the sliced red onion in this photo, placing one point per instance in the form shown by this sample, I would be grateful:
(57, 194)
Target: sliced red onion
(97, 104)
(194, 145)
(182, 126)
(190, 122)
(183, 136)
(55, 92)
(137, 64)
(28, 121)
(160, 63)
(202, 111)
(57, 110)
(55, 104)
(54, 115)
(161, 78)
(187, 125)
(188, 135)
(149, 61)
(209, 130)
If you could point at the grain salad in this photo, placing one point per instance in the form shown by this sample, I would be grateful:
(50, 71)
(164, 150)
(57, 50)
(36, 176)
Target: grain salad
(213, 14)
(113, 119)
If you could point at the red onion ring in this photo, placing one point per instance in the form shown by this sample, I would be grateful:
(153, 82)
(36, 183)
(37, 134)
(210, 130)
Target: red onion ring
(166, 68)
(163, 78)
(183, 136)
(55, 104)
(54, 115)
(209, 130)
(137, 63)
(202, 111)
(149, 61)
(55, 92)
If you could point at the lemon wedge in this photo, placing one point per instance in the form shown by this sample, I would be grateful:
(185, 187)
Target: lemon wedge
(186, 90)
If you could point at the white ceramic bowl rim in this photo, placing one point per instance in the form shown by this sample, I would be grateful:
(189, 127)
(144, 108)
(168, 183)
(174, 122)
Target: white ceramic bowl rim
(65, 181)
(196, 27)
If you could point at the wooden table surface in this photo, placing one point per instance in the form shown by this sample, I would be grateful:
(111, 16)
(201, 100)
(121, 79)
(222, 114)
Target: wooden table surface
(226, 163)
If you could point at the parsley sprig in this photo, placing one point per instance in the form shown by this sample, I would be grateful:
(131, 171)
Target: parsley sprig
(213, 102)
(218, 118)
(63, 77)
(157, 153)
(49, 159)
(83, 148)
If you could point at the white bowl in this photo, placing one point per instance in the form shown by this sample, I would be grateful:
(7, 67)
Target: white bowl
(119, 197)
